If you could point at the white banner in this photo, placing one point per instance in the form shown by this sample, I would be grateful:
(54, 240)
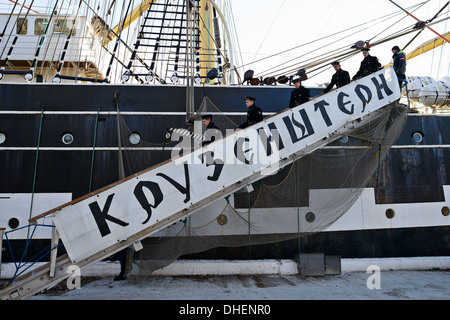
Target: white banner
(117, 212)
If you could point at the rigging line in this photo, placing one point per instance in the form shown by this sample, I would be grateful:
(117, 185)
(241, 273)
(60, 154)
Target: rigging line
(104, 33)
(125, 45)
(116, 45)
(156, 49)
(342, 48)
(397, 34)
(15, 2)
(299, 65)
(50, 14)
(127, 39)
(442, 49)
(2, 68)
(178, 43)
(212, 38)
(7, 22)
(69, 36)
(318, 49)
(418, 7)
(337, 57)
(323, 47)
(112, 4)
(344, 58)
(328, 36)
(333, 12)
(35, 167)
(428, 21)
(83, 37)
(324, 63)
(445, 39)
(47, 49)
(267, 33)
(231, 14)
(12, 29)
(331, 35)
(165, 67)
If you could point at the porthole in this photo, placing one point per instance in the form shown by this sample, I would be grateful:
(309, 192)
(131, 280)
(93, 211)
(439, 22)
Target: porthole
(445, 211)
(2, 138)
(390, 213)
(134, 138)
(13, 223)
(344, 139)
(417, 137)
(310, 217)
(222, 219)
(67, 138)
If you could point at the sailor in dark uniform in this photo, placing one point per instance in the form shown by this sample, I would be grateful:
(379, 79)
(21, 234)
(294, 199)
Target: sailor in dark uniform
(254, 113)
(399, 64)
(212, 131)
(339, 79)
(368, 66)
(299, 95)
(122, 257)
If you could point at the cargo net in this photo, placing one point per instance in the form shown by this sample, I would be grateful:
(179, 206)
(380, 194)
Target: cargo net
(140, 151)
(303, 198)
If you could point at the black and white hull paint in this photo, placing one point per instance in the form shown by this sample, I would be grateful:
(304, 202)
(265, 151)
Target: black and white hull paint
(39, 171)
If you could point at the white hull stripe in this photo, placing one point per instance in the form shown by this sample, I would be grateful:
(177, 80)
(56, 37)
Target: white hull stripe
(178, 148)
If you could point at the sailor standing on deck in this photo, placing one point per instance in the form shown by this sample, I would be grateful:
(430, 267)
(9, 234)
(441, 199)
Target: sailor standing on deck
(368, 66)
(254, 113)
(399, 65)
(299, 95)
(339, 79)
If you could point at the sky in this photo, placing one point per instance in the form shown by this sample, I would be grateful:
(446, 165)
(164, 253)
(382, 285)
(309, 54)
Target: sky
(268, 27)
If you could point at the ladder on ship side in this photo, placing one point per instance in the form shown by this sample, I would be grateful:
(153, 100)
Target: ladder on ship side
(99, 224)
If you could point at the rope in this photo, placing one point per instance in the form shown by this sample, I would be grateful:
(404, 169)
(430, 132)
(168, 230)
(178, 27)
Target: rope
(35, 170)
(267, 33)
(93, 151)
(36, 258)
(293, 68)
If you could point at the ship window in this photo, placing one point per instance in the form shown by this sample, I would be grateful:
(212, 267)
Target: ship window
(310, 217)
(134, 138)
(22, 29)
(390, 213)
(13, 223)
(417, 136)
(445, 211)
(67, 138)
(64, 26)
(344, 139)
(39, 26)
(2, 138)
(222, 219)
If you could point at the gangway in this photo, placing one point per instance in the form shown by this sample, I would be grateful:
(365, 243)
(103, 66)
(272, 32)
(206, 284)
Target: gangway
(120, 215)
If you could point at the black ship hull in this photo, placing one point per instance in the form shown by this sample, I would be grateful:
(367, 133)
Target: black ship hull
(34, 161)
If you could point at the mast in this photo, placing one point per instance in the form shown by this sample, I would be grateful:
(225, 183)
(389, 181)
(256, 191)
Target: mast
(206, 16)
(230, 47)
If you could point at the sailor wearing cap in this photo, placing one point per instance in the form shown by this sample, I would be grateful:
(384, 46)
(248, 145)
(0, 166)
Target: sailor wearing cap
(340, 78)
(254, 113)
(212, 131)
(368, 66)
(299, 95)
